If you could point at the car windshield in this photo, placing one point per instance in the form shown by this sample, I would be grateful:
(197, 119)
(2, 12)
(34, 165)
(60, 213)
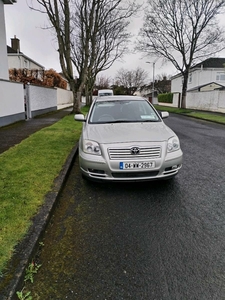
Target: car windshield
(122, 111)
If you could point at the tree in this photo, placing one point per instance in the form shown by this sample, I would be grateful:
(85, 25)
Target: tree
(182, 32)
(131, 80)
(162, 84)
(102, 82)
(59, 15)
(100, 36)
(91, 35)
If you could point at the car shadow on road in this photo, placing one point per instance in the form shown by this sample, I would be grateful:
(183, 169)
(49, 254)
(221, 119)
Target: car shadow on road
(146, 185)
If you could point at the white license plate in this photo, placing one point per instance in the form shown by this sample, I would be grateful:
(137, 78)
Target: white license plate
(137, 165)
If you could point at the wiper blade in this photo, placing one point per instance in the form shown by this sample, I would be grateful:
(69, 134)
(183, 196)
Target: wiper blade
(126, 121)
(150, 121)
(123, 121)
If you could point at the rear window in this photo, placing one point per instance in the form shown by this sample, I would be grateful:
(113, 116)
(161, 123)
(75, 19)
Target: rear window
(105, 94)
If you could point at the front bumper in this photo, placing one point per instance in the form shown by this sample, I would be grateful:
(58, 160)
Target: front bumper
(97, 168)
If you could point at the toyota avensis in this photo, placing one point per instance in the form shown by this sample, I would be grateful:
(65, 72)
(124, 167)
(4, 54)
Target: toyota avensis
(125, 139)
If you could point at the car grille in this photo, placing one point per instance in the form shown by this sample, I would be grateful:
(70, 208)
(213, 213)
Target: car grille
(125, 153)
(135, 174)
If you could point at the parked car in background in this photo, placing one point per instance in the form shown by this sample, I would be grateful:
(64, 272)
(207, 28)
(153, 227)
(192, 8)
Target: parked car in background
(102, 93)
(125, 139)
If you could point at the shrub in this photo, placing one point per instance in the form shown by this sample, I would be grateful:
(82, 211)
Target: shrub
(165, 98)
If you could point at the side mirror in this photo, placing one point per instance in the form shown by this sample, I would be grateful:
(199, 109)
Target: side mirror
(79, 117)
(164, 114)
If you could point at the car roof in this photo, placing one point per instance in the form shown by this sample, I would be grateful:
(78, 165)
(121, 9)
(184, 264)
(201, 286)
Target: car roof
(119, 98)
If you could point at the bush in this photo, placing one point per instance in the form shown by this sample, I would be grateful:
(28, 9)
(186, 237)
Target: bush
(48, 78)
(165, 98)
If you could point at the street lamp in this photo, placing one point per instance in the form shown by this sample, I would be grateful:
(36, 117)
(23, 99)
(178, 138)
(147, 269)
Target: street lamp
(153, 79)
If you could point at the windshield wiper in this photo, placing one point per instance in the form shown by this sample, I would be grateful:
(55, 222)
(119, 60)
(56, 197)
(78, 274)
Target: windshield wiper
(123, 121)
(144, 121)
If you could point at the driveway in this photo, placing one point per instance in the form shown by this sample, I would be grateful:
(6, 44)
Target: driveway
(157, 240)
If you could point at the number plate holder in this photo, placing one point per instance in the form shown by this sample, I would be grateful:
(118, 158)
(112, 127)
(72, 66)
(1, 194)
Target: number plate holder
(137, 165)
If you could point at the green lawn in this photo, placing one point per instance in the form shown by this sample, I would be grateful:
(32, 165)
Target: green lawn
(209, 116)
(27, 172)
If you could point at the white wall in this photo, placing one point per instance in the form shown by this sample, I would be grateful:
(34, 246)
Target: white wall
(41, 100)
(176, 85)
(11, 102)
(209, 101)
(221, 101)
(4, 73)
(176, 97)
(64, 97)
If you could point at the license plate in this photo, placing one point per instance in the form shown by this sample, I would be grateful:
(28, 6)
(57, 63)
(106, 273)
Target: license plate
(137, 165)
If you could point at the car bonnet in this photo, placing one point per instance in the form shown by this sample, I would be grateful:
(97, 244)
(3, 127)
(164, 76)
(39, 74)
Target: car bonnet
(127, 132)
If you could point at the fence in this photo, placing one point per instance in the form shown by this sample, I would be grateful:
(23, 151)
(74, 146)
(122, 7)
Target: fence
(208, 100)
(40, 100)
(18, 102)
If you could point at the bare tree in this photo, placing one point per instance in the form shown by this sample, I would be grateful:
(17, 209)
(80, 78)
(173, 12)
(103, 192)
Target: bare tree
(91, 35)
(102, 82)
(182, 32)
(59, 15)
(100, 36)
(131, 80)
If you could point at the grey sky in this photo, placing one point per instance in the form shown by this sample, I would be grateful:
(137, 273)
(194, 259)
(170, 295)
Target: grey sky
(39, 44)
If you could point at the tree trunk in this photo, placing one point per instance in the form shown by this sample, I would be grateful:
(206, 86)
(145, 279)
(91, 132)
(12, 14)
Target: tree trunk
(87, 95)
(76, 98)
(184, 90)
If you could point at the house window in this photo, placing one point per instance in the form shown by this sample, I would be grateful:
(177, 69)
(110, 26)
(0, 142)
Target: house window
(220, 76)
(25, 63)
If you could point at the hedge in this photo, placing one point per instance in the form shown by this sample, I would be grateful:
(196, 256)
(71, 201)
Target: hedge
(166, 98)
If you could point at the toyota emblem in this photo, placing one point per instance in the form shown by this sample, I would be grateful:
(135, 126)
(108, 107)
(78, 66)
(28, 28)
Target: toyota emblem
(134, 150)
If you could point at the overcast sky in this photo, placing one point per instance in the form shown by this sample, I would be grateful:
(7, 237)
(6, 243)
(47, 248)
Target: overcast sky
(39, 44)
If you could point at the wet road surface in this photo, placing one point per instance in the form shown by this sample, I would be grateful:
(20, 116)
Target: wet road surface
(156, 240)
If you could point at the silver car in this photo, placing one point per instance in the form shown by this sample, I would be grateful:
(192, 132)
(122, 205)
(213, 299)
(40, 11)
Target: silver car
(125, 139)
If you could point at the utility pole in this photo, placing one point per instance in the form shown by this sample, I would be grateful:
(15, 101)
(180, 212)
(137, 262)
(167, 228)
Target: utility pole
(153, 78)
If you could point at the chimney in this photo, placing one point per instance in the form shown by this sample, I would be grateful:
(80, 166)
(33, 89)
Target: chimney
(15, 44)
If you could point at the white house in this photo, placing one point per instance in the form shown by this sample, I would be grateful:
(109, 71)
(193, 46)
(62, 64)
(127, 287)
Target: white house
(11, 94)
(210, 71)
(4, 73)
(18, 60)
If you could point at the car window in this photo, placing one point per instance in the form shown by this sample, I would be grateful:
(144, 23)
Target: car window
(105, 94)
(123, 111)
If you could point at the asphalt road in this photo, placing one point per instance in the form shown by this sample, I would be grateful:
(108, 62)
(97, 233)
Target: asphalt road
(148, 241)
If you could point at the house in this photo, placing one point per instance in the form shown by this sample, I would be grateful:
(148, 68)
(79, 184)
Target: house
(208, 72)
(18, 60)
(12, 94)
(211, 86)
(160, 86)
(4, 73)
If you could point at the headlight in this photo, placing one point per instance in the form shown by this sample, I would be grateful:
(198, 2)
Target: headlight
(173, 144)
(91, 147)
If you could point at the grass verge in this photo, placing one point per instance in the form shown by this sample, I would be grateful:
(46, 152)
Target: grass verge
(27, 172)
(204, 115)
